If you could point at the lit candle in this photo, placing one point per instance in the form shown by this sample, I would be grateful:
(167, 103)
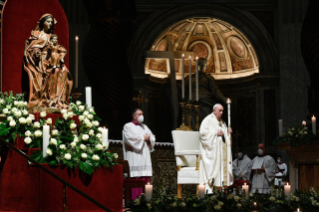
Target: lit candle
(298, 210)
(255, 204)
(190, 78)
(280, 127)
(105, 135)
(148, 191)
(201, 191)
(183, 75)
(196, 72)
(76, 61)
(287, 191)
(304, 123)
(45, 140)
(246, 190)
(314, 130)
(228, 107)
(88, 96)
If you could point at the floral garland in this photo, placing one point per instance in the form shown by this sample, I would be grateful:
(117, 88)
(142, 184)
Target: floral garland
(226, 201)
(75, 146)
(296, 136)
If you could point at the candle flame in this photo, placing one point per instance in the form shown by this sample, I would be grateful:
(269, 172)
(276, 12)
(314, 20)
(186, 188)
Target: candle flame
(298, 209)
(76, 37)
(287, 183)
(190, 57)
(255, 203)
(183, 55)
(196, 57)
(245, 183)
(148, 183)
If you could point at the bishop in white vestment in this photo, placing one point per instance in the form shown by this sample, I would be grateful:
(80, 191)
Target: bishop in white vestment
(239, 169)
(215, 145)
(263, 170)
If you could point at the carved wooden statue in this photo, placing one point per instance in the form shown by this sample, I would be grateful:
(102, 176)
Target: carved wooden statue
(50, 81)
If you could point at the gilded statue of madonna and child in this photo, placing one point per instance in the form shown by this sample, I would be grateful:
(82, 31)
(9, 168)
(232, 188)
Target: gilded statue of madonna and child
(50, 81)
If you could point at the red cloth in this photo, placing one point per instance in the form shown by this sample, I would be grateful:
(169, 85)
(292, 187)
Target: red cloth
(19, 17)
(136, 192)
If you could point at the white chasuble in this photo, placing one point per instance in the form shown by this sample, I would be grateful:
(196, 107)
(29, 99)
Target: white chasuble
(240, 171)
(261, 181)
(136, 151)
(216, 158)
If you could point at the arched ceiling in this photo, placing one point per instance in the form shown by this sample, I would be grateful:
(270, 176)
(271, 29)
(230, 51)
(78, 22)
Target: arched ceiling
(228, 52)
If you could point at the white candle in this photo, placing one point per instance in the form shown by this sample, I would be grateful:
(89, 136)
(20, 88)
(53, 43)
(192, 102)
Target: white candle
(190, 78)
(105, 135)
(314, 130)
(201, 191)
(228, 107)
(76, 61)
(298, 210)
(280, 127)
(45, 140)
(287, 190)
(246, 190)
(88, 96)
(183, 76)
(148, 191)
(304, 123)
(196, 71)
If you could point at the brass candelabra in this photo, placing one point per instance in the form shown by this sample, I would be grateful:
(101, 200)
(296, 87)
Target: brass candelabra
(183, 126)
(197, 108)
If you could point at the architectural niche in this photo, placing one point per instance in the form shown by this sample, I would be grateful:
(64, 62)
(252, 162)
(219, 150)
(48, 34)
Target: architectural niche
(228, 52)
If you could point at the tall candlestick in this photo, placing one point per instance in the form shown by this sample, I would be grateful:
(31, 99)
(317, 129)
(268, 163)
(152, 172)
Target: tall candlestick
(88, 96)
(228, 107)
(76, 61)
(314, 128)
(201, 191)
(287, 190)
(196, 71)
(105, 135)
(45, 140)
(183, 76)
(148, 191)
(190, 78)
(246, 190)
(280, 127)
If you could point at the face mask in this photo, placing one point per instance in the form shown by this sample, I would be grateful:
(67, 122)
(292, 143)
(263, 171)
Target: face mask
(140, 119)
(240, 155)
(260, 151)
(278, 160)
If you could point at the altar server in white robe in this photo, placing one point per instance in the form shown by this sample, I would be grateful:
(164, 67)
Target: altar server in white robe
(240, 171)
(138, 143)
(263, 169)
(281, 171)
(215, 145)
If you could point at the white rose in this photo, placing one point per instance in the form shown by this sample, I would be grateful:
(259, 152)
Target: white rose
(63, 111)
(95, 157)
(70, 114)
(28, 133)
(91, 110)
(86, 113)
(25, 112)
(27, 140)
(81, 118)
(90, 116)
(89, 125)
(55, 132)
(106, 145)
(15, 103)
(86, 121)
(100, 129)
(91, 132)
(62, 146)
(78, 103)
(8, 106)
(29, 120)
(22, 120)
(53, 141)
(67, 156)
(84, 155)
(36, 124)
(76, 139)
(9, 118)
(96, 123)
(1, 101)
(17, 113)
(99, 147)
(81, 108)
(73, 144)
(217, 207)
(65, 116)
(14, 110)
(31, 116)
(37, 133)
(49, 121)
(72, 126)
(43, 114)
(49, 152)
(25, 103)
(115, 156)
(20, 104)
(83, 147)
(99, 135)
(12, 123)
(85, 137)
(5, 111)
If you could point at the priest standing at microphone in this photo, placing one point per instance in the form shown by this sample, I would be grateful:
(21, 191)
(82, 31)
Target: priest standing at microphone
(216, 163)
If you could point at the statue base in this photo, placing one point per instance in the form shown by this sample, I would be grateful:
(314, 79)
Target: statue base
(184, 127)
(46, 109)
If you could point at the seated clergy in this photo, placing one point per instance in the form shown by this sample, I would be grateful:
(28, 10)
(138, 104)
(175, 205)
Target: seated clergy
(263, 169)
(281, 171)
(239, 170)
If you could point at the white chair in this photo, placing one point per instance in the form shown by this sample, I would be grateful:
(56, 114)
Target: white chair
(186, 145)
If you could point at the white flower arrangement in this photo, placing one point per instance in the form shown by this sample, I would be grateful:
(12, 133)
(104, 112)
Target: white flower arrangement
(91, 132)
(78, 102)
(81, 118)
(36, 125)
(49, 152)
(22, 120)
(12, 123)
(53, 142)
(70, 114)
(28, 133)
(17, 113)
(43, 114)
(81, 108)
(72, 126)
(85, 137)
(27, 140)
(38, 133)
(49, 121)
(99, 147)
(84, 155)
(83, 147)
(55, 132)
(73, 144)
(62, 146)
(96, 123)
(67, 156)
(95, 157)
